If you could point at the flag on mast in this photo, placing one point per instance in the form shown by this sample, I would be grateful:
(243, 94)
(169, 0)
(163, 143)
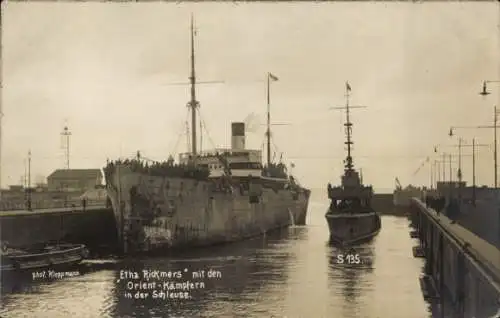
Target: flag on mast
(348, 87)
(274, 78)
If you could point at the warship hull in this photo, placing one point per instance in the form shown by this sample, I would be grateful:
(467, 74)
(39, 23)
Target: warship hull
(156, 213)
(353, 228)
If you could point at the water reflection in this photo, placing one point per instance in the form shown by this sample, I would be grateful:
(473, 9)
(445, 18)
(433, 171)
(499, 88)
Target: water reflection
(292, 273)
(246, 268)
(348, 268)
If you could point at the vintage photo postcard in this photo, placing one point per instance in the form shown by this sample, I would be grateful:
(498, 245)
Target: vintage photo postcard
(250, 159)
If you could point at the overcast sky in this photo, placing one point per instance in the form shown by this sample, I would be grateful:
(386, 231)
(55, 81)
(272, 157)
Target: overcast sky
(105, 69)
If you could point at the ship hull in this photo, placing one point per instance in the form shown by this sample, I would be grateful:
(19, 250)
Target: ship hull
(162, 213)
(57, 257)
(302, 213)
(353, 228)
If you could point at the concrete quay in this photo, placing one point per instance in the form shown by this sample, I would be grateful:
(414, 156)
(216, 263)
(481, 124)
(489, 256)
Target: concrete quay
(93, 225)
(463, 269)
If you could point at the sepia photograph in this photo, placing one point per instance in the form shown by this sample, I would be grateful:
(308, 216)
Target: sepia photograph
(293, 159)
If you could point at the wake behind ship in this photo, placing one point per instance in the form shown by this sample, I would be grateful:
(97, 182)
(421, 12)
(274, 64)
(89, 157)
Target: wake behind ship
(351, 218)
(212, 197)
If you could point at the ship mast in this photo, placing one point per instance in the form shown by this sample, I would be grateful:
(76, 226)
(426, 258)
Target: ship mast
(193, 103)
(268, 132)
(349, 164)
(270, 77)
(348, 127)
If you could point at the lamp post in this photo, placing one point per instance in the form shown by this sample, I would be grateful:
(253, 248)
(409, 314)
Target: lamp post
(444, 161)
(437, 172)
(474, 149)
(474, 171)
(495, 126)
(460, 145)
(474, 146)
(442, 165)
(484, 92)
(432, 175)
(29, 181)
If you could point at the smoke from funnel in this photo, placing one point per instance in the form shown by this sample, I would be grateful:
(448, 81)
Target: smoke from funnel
(252, 123)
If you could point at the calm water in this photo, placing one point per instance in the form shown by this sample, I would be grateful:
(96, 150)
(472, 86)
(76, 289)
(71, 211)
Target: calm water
(288, 274)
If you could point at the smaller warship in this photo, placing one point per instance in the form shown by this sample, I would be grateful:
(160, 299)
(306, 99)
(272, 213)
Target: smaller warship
(351, 218)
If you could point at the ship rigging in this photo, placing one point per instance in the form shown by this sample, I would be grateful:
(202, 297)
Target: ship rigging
(161, 205)
(350, 217)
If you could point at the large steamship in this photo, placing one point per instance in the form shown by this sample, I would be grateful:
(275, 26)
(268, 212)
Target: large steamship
(209, 197)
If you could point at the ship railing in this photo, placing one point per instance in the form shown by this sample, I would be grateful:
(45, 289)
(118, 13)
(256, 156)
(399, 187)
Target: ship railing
(219, 151)
(338, 192)
(273, 179)
(50, 204)
(162, 169)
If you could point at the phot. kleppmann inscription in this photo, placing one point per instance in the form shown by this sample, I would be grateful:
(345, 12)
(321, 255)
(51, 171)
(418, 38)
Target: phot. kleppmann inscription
(234, 159)
(52, 274)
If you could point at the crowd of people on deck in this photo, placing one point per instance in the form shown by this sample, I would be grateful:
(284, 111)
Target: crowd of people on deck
(169, 168)
(276, 170)
(165, 168)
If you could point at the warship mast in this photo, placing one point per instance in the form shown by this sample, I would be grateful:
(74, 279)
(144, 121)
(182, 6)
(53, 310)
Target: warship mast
(348, 125)
(349, 166)
(193, 103)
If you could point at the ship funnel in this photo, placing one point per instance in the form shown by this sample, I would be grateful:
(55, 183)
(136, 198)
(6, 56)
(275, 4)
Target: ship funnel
(238, 136)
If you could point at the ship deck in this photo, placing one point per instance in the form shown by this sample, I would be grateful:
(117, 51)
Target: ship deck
(350, 215)
(53, 210)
